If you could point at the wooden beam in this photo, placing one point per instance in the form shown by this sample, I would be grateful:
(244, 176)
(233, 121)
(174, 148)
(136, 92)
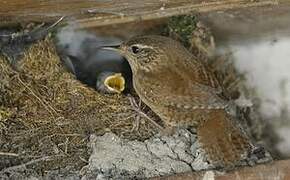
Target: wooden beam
(96, 13)
(250, 24)
(275, 170)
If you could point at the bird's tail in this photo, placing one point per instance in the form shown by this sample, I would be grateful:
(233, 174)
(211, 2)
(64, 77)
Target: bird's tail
(223, 140)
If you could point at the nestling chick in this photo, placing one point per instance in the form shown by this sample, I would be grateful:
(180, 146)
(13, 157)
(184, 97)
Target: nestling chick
(110, 82)
(81, 54)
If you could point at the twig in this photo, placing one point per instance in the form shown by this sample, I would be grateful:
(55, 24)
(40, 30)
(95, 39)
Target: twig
(83, 159)
(8, 154)
(21, 34)
(22, 166)
(47, 107)
(56, 23)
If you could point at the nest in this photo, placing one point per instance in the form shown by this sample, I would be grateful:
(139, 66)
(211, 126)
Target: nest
(45, 111)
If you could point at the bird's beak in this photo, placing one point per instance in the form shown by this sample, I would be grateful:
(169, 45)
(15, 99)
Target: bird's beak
(116, 48)
(115, 82)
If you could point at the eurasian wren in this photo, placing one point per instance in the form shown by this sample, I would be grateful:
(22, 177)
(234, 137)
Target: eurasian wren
(183, 92)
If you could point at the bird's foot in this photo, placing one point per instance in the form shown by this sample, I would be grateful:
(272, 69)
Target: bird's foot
(168, 131)
(137, 106)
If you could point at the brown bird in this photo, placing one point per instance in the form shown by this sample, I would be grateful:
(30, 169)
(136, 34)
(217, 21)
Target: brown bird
(183, 92)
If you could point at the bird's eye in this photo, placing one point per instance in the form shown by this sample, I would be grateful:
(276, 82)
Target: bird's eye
(135, 49)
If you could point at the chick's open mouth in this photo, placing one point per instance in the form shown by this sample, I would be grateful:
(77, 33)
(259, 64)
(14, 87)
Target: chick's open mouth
(115, 83)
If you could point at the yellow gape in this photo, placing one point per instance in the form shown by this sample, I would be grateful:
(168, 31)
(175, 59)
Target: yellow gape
(115, 83)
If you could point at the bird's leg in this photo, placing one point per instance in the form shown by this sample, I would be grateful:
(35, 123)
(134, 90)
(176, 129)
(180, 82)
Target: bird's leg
(138, 108)
(168, 130)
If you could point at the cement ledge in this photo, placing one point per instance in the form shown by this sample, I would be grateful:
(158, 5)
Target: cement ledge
(274, 170)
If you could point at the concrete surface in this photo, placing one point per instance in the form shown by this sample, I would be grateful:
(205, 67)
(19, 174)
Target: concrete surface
(116, 158)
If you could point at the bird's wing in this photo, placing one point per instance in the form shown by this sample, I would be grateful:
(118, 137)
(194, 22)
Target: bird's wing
(199, 73)
(195, 97)
(188, 90)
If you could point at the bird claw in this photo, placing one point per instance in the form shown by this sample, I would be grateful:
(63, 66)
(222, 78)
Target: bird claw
(138, 108)
(136, 123)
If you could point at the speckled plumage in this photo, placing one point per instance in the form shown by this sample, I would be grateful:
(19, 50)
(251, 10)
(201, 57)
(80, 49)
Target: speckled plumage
(183, 92)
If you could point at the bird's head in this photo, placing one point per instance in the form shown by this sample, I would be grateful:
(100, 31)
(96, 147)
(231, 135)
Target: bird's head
(146, 52)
